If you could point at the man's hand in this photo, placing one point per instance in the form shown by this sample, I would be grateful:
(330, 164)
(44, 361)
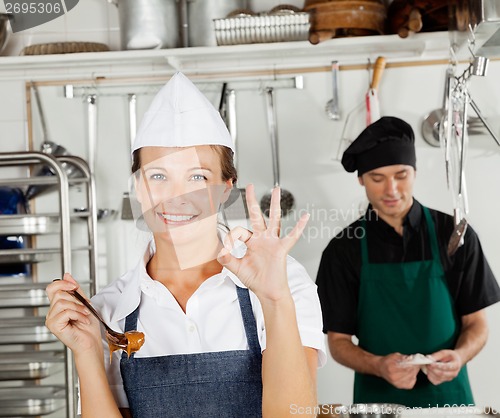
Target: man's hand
(447, 366)
(399, 375)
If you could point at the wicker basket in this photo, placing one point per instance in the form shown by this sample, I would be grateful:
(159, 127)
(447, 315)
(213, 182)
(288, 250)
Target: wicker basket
(64, 48)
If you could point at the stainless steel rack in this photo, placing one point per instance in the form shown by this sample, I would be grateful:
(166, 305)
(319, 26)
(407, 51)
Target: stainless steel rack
(23, 391)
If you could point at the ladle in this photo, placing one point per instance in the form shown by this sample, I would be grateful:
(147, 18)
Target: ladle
(287, 200)
(332, 107)
(235, 207)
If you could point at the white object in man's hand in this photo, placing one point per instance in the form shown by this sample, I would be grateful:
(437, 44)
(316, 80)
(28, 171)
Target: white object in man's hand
(418, 360)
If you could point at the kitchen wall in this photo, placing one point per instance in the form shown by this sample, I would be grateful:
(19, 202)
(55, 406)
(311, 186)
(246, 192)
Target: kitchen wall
(308, 140)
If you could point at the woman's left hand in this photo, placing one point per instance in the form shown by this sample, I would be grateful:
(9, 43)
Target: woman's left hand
(263, 268)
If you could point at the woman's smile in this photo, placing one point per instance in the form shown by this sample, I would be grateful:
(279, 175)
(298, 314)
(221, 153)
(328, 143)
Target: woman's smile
(177, 219)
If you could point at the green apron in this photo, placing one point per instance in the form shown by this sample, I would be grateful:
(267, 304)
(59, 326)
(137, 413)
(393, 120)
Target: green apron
(407, 308)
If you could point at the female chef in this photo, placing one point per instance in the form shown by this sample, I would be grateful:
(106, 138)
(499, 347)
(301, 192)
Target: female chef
(226, 334)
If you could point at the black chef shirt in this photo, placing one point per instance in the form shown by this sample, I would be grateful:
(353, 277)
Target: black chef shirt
(469, 277)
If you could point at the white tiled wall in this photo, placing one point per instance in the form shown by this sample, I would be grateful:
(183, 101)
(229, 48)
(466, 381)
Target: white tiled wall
(13, 136)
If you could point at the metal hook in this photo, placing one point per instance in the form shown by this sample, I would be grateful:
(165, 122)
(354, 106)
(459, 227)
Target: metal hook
(472, 39)
(453, 58)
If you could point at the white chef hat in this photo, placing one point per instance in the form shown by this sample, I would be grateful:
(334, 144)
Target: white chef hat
(181, 116)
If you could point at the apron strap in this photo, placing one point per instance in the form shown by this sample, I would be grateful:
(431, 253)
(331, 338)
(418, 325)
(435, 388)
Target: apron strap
(364, 243)
(131, 320)
(131, 325)
(249, 321)
(431, 232)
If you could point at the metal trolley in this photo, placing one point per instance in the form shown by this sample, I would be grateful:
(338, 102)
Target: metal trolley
(30, 355)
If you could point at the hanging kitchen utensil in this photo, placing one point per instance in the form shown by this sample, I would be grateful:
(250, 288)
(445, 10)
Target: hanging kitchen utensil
(223, 104)
(372, 102)
(48, 147)
(364, 113)
(41, 113)
(235, 207)
(432, 121)
(126, 209)
(457, 237)
(92, 131)
(332, 107)
(479, 114)
(287, 200)
(456, 146)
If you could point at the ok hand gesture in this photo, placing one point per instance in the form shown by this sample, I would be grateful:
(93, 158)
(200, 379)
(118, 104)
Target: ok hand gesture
(263, 268)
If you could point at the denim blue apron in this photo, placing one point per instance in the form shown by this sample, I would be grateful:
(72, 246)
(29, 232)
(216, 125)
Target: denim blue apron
(222, 384)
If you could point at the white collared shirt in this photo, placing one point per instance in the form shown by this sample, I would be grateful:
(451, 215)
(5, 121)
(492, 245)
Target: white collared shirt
(212, 321)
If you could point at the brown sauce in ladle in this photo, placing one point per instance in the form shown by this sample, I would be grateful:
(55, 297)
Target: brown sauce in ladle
(135, 340)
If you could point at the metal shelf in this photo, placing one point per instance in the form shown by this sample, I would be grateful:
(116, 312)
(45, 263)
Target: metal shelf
(29, 224)
(23, 298)
(29, 365)
(27, 255)
(25, 330)
(36, 181)
(221, 61)
(31, 401)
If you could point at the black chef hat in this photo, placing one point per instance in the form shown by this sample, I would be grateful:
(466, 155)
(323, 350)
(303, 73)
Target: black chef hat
(388, 141)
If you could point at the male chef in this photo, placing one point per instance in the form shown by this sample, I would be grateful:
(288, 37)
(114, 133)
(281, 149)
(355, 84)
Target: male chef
(387, 279)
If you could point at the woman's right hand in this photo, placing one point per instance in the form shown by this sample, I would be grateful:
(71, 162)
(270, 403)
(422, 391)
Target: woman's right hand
(70, 321)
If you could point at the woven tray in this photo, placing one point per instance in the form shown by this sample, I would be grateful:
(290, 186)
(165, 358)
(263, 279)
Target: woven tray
(63, 48)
